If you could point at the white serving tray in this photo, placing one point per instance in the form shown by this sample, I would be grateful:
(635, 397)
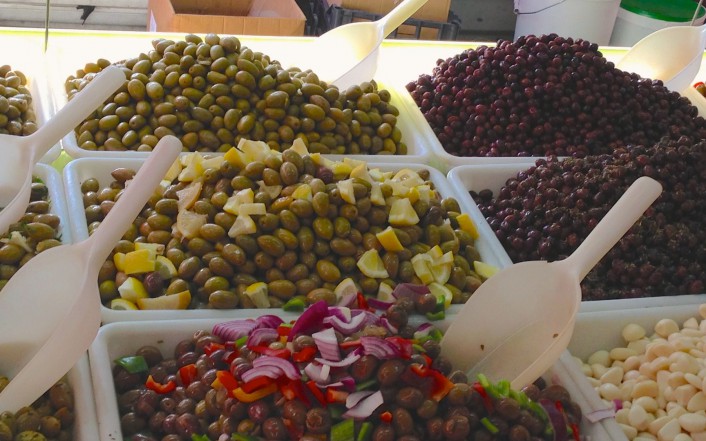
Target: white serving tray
(79, 170)
(71, 52)
(120, 339)
(478, 177)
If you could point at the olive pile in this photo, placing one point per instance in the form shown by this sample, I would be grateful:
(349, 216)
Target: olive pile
(35, 232)
(212, 92)
(50, 418)
(546, 211)
(301, 247)
(17, 116)
(548, 95)
(190, 406)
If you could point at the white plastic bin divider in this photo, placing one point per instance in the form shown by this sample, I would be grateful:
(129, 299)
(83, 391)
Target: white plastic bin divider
(120, 339)
(81, 169)
(66, 59)
(493, 177)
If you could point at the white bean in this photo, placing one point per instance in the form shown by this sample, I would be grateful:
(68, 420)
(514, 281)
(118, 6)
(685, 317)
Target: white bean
(621, 353)
(690, 323)
(613, 375)
(647, 403)
(700, 436)
(644, 436)
(621, 416)
(660, 348)
(697, 402)
(702, 310)
(629, 431)
(693, 380)
(609, 391)
(684, 393)
(647, 388)
(682, 437)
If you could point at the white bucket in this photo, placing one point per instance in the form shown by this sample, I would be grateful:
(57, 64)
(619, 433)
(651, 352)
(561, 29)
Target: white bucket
(590, 20)
(631, 27)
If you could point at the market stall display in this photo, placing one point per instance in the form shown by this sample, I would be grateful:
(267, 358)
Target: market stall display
(413, 132)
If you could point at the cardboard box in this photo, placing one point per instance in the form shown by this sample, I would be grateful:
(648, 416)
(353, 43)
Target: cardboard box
(433, 10)
(235, 17)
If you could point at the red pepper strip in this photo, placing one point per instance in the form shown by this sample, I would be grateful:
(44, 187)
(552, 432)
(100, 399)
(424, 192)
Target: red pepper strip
(442, 385)
(404, 344)
(427, 359)
(314, 389)
(575, 430)
(295, 432)
(212, 347)
(305, 355)
(266, 350)
(420, 369)
(255, 384)
(336, 396)
(283, 330)
(226, 379)
(229, 356)
(487, 402)
(188, 374)
(245, 397)
(349, 344)
(293, 389)
(159, 387)
(362, 303)
(386, 417)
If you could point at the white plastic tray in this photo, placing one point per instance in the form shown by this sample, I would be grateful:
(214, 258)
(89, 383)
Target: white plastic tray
(81, 169)
(72, 52)
(23, 53)
(465, 178)
(85, 426)
(598, 330)
(120, 339)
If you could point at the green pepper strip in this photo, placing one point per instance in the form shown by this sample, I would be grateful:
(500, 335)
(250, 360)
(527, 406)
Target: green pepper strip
(436, 315)
(242, 437)
(294, 305)
(133, 363)
(239, 343)
(343, 431)
(365, 432)
(199, 437)
(492, 428)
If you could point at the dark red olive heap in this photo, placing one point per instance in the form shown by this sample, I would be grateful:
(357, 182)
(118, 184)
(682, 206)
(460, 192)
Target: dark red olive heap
(547, 95)
(546, 211)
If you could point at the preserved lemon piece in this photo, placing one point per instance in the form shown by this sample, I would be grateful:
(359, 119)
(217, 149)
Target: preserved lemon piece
(178, 300)
(122, 305)
(421, 264)
(188, 223)
(371, 265)
(238, 198)
(165, 267)
(257, 292)
(139, 261)
(466, 224)
(303, 192)
(402, 213)
(389, 240)
(484, 270)
(243, 225)
(119, 261)
(345, 188)
(132, 289)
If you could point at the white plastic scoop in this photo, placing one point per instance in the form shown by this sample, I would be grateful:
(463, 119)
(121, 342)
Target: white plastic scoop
(50, 308)
(348, 55)
(672, 55)
(517, 324)
(20, 153)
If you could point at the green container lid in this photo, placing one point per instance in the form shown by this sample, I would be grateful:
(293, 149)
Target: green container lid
(665, 10)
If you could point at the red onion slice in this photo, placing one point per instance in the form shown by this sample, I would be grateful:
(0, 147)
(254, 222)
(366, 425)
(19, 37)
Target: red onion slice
(327, 343)
(365, 407)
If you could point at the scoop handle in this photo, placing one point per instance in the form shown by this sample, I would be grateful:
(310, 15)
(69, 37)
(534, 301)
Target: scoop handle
(133, 198)
(623, 215)
(399, 14)
(75, 111)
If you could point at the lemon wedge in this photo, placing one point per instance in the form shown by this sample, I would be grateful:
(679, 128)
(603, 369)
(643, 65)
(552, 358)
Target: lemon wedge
(122, 305)
(132, 289)
(119, 261)
(257, 292)
(466, 224)
(243, 225)
(178, 300)
(187, 196)
(188, 223)
(389, 240)
(441, 292)
(303, 192)
(370, 264)
(421, 263)
(484, 270)
(345, 188)
(165, 267)
(245, 196)
(139, 261)
(155, 249)
(402, 213)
